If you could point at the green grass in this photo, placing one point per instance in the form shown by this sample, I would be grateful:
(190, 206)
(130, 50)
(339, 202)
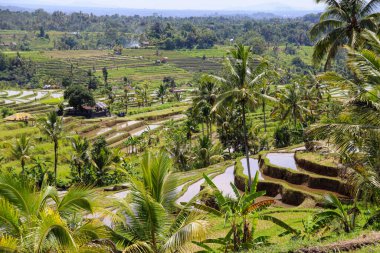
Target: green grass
(159, 113)
(326, 160)
(51, 101)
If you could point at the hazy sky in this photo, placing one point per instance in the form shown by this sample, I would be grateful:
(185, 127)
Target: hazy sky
(177, 4)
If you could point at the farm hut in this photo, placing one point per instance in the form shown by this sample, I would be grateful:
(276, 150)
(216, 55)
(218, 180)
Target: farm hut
(21, 116)
(100, 109)
(164, 60)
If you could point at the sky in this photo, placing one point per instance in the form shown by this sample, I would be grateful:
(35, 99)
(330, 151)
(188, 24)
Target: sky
(255, 5)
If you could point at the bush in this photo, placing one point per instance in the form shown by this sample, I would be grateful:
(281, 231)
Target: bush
(282, 137)
(5, 112)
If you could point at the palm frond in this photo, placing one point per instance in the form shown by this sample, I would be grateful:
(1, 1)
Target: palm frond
(77, 198)
(52, 226)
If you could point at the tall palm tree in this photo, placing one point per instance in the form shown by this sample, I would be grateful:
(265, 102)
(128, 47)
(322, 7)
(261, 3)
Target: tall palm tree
(266, 94)
(205, 99)
(127, 89)
(103, 162)
(81, 154)
(355, 132)
(42, 221)
(292, 104)
(341, 24)
(161, 93)
(145, 222)
(238, 85)
(20, 150)
(142, 93)
(52, 127)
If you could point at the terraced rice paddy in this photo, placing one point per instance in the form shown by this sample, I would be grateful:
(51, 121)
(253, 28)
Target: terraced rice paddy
(138, 65)
(285, 160)
(254, 167)
(223, 181)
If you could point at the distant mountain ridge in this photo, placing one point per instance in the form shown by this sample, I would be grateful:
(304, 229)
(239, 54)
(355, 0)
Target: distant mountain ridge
(167, 13)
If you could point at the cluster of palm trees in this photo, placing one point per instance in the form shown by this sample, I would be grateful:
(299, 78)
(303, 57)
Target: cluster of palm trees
(355, 132)
(148, 220)
(52, 127)
(98, 165)
(248, 85)
(140, 93)
(87, 166)
(41, 220)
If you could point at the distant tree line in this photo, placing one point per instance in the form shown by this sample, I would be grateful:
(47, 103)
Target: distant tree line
(166, 32)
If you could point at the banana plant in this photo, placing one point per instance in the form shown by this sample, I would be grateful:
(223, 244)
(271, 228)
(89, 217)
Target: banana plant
(241, 212)
(339, 217)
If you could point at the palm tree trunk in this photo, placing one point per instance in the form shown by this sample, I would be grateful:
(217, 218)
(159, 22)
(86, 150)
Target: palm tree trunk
(265, 118)
(22, 166)
(154, 241)
(162, 100)
(246, 148)
(207, 128)
(55, 161)
(80, 172)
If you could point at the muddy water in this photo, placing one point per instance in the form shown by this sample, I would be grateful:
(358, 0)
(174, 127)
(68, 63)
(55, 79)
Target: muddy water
(285, 160)
(299, 149)
(26, 93)
(103, 130)
(150, 127)
(191, 192)
(127, 124)
(13, 92)
(39, 95)
(254, 166)
(223, 181)
(56, 95)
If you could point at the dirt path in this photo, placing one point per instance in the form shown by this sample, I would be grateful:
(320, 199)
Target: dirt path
(344, 246)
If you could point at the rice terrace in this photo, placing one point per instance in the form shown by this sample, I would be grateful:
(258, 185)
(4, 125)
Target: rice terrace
(211, 126)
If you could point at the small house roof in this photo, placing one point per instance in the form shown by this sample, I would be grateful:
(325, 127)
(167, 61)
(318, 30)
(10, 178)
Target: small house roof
(21, 116)
(101, 105)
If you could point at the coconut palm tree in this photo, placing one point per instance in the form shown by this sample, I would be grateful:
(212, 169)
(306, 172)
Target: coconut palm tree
(52, 127)
(292, 104)
(127, 89)
(266, 95)
(103, 162)
(145, 222)
(206, 151)
(355, 132)
(341, 24)
(20, 150)
(205, 99)
(161, 93)
(80, 157)
(142, 93)
(42, 221)
(239, 87)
